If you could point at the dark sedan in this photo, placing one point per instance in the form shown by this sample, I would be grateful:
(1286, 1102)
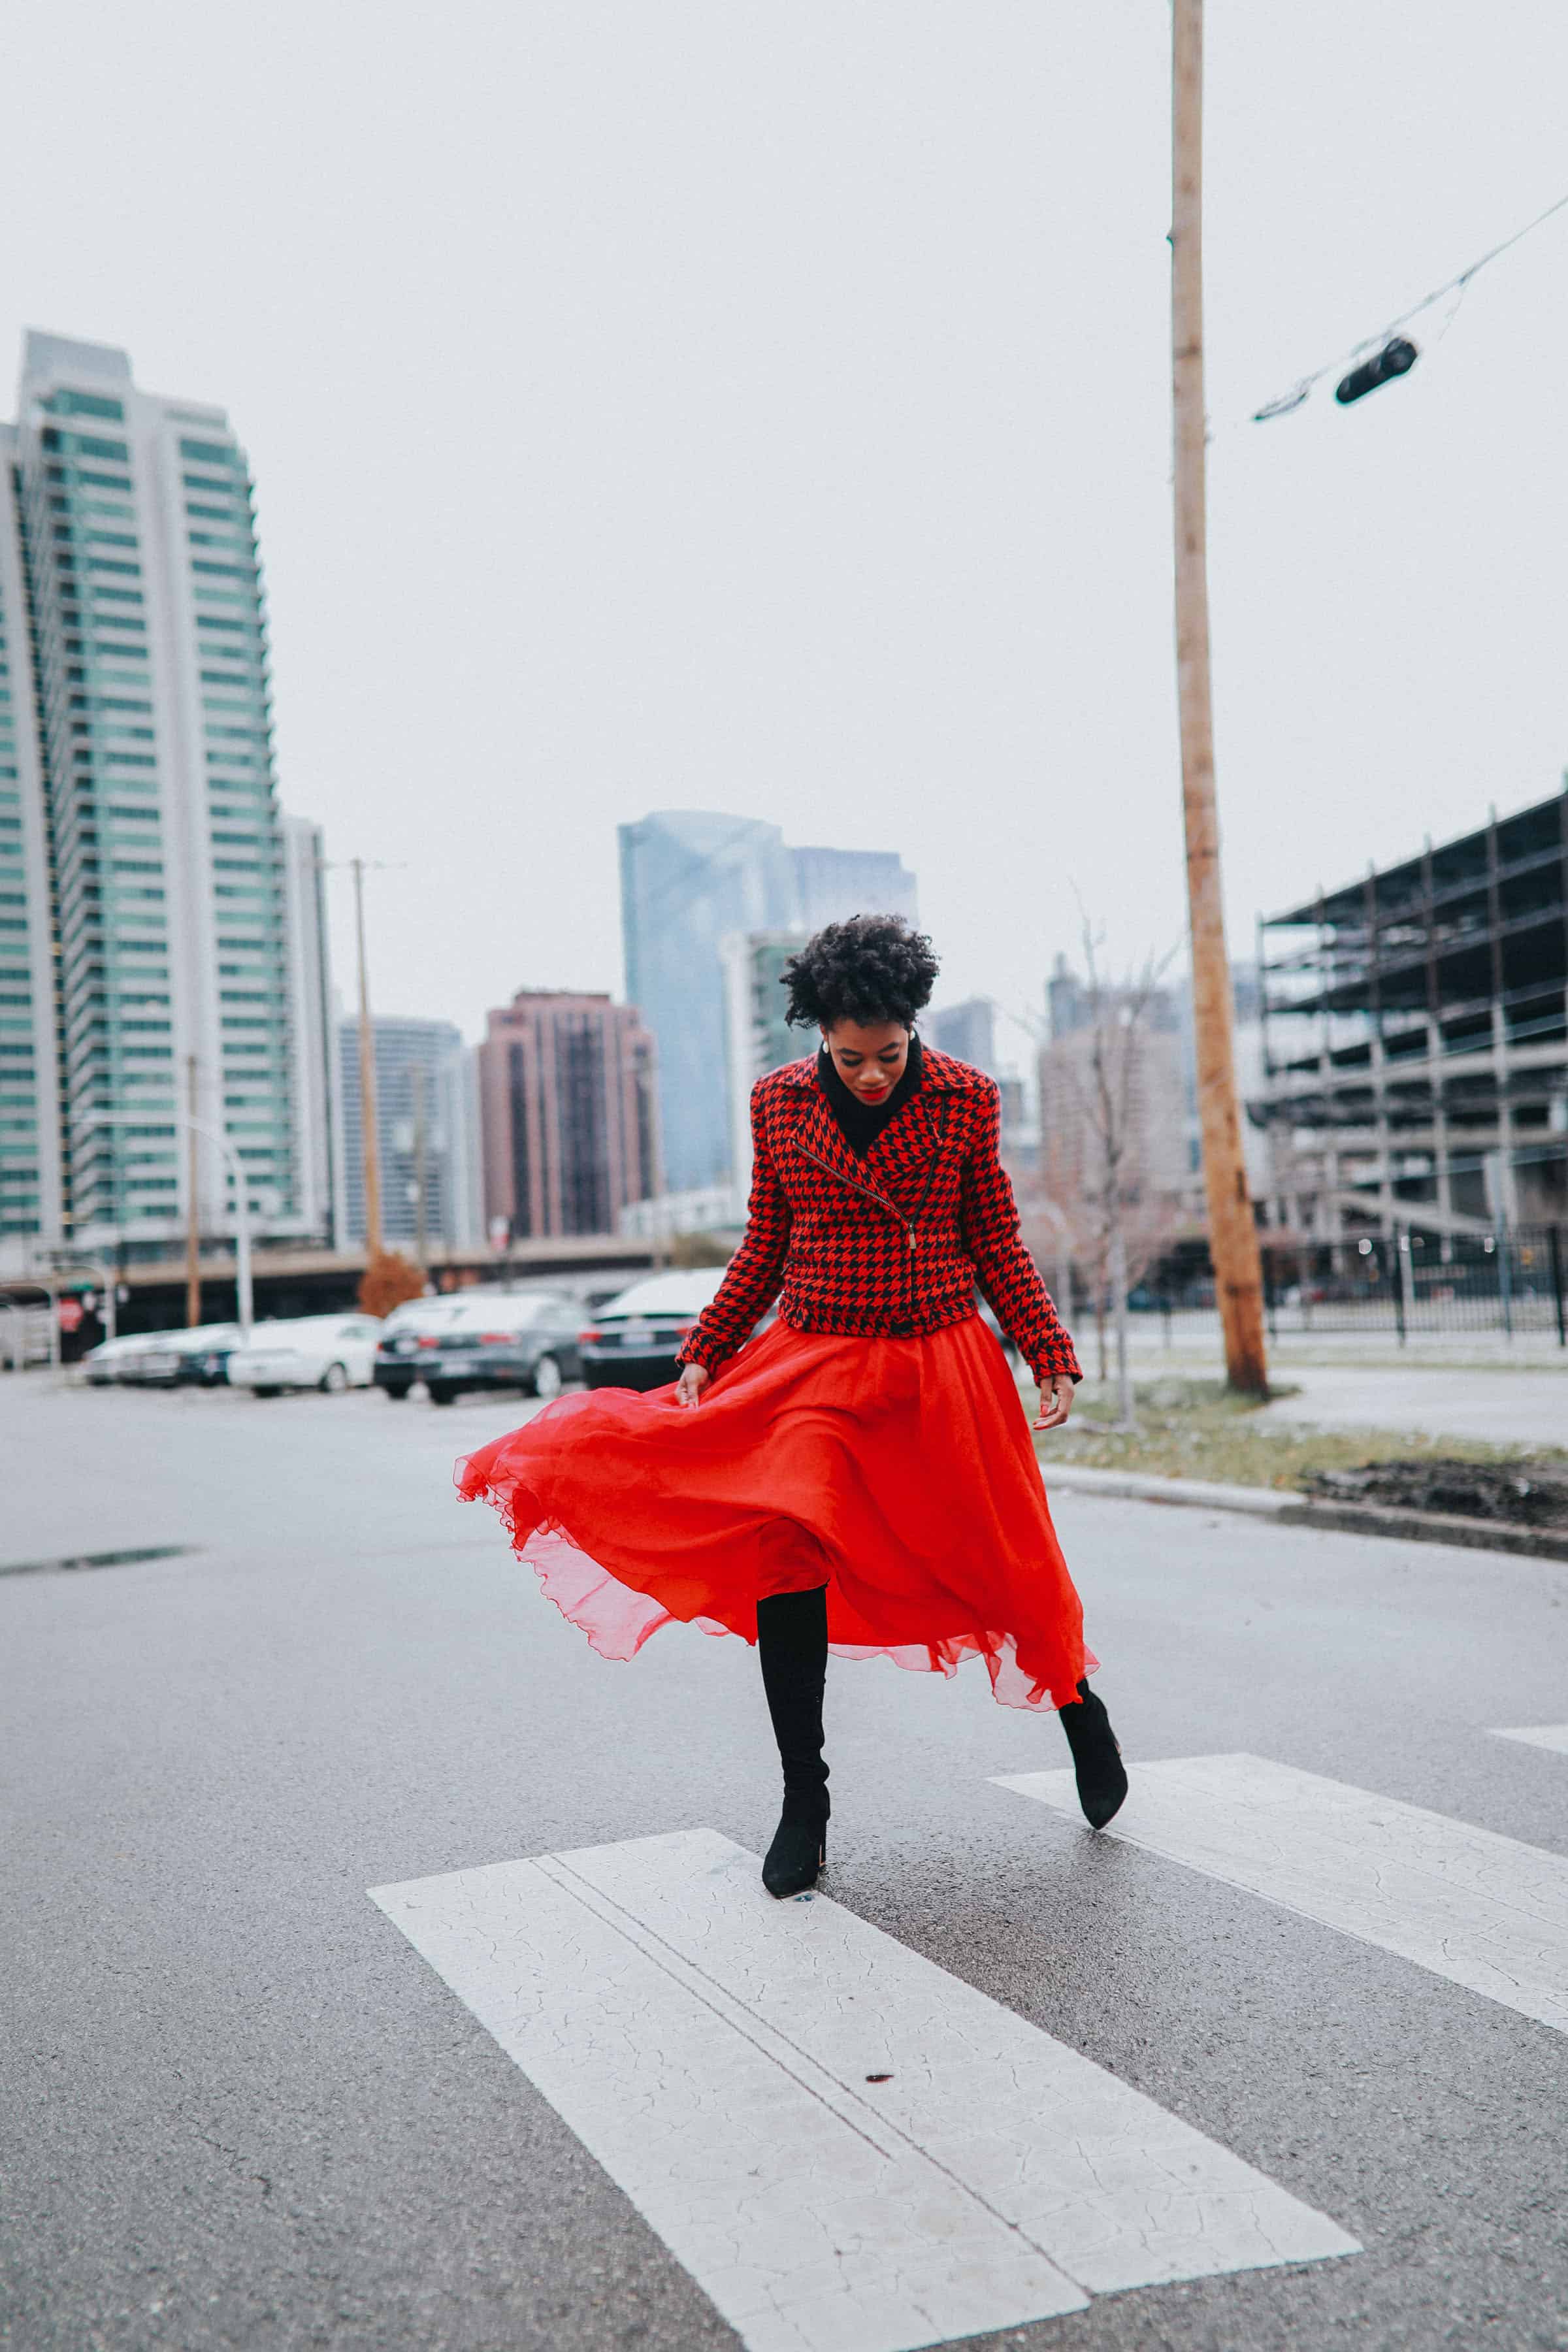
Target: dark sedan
(632, 1341)
(514, 1340)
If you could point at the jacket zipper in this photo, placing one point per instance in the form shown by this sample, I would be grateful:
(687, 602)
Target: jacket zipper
(882, 1200)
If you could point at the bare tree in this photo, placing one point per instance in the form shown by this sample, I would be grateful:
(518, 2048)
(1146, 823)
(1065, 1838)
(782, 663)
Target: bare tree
(1114, 1174)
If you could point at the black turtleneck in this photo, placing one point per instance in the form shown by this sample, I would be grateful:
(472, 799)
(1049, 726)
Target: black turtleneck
(860, 1123)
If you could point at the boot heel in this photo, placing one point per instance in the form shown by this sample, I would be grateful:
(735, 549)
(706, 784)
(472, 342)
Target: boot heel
(1097, 1758)
(798, 1852)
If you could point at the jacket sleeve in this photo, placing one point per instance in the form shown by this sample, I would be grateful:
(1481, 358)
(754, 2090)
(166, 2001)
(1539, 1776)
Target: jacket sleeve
(757, 1270)
(1008, 1275)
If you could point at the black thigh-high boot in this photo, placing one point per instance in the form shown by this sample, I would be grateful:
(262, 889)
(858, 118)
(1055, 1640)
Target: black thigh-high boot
(1097, 1758)
(792, 1643)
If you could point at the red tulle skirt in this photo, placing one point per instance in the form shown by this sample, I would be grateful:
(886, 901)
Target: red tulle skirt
(900, 1472)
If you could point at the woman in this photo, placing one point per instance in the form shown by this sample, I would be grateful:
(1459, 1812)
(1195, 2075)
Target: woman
(861, 1477)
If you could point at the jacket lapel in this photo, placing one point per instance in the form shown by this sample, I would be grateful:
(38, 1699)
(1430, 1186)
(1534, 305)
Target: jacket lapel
(818, 1132)
(905, 1147)
(896, 1165)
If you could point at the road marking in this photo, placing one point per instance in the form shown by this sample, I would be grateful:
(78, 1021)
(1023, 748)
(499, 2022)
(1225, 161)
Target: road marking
(1484, 1911)
(850, 2149)
(1541, 1735)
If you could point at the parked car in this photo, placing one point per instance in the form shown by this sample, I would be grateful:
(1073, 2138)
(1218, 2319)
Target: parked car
(516, 1339)
(310, 1352)
(632, 1341)
(198, 1355)
(101, 1365)
(409, 1329)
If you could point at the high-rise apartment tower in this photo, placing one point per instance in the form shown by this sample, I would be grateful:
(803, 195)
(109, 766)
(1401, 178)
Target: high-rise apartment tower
(151, 856)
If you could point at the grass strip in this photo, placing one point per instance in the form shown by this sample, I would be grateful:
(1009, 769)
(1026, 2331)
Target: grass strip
(1197, 1429)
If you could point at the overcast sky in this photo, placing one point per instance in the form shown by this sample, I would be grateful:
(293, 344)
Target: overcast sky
(766, 409)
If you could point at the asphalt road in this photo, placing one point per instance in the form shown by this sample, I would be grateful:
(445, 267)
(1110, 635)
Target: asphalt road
(240, 2111)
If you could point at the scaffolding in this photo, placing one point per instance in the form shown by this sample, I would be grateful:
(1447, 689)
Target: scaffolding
(1416, 1045)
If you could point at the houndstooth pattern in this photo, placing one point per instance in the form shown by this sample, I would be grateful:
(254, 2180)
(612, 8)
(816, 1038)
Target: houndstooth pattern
(904, 1263)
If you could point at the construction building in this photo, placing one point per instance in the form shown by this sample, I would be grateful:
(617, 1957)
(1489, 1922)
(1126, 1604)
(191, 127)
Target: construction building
(1415, 1042)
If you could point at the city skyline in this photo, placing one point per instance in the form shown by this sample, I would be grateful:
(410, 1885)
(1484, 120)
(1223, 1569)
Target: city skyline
(878, 547)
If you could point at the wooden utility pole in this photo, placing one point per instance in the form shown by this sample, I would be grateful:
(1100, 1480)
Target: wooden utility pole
(370, 1155)
(193, 1207)
(1232, 1236)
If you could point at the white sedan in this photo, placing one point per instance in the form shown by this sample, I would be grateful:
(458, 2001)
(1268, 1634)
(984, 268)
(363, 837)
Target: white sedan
(101, 1365)
(312, 1351)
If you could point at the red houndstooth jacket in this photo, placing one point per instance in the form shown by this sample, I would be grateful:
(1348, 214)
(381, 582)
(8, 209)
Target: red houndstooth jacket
(888, 1245)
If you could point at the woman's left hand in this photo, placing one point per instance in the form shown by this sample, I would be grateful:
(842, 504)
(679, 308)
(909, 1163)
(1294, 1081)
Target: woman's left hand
(1056, 1402)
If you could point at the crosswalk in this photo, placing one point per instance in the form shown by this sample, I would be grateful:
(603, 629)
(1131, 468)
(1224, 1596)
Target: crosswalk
(850, 2149)
(1541, 1734)
(1482, 1910)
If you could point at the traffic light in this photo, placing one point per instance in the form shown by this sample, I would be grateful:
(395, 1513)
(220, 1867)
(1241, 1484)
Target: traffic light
(1397, 358)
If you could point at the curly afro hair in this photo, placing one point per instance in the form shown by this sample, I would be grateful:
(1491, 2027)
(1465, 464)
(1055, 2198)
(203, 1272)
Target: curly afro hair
(872, 967)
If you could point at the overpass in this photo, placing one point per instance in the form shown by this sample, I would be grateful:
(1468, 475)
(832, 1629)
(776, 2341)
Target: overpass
(293, 1280)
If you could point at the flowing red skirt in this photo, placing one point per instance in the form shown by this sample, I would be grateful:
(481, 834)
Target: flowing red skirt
(900, 1473)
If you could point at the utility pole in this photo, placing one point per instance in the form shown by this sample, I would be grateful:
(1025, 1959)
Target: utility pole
(193, 1212)
(1232, 1236)
(370, 1155)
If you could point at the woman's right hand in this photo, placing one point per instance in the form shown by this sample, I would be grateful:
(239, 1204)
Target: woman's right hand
(694, 1379)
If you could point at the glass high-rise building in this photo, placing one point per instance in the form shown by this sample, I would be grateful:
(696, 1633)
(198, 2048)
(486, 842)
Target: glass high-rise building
(690, 880)
(831, 885)
(427, 1122)
(152, 861)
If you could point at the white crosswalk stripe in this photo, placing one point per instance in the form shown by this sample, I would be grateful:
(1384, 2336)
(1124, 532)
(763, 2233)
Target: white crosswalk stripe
(1541, 1734)
(1482, 1910)
(850, 2149)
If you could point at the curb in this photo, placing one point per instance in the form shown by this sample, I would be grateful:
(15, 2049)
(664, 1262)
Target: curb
(1292, 1510)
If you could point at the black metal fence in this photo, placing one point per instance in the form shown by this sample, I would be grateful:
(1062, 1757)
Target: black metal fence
(1512, 1281)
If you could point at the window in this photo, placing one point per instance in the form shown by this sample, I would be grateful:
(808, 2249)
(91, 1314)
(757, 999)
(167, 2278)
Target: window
(66, 403)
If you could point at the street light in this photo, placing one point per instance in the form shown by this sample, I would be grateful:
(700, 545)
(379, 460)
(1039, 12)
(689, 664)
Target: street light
(1397, 358)
(241, 1205)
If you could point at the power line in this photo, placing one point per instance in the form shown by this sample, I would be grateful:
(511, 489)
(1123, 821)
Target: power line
(1293, 399)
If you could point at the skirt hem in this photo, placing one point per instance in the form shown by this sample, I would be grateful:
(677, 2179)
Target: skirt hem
(573, 1579)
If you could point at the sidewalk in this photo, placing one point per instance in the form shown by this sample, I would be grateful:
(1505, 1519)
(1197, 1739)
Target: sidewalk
(1506, 1407)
